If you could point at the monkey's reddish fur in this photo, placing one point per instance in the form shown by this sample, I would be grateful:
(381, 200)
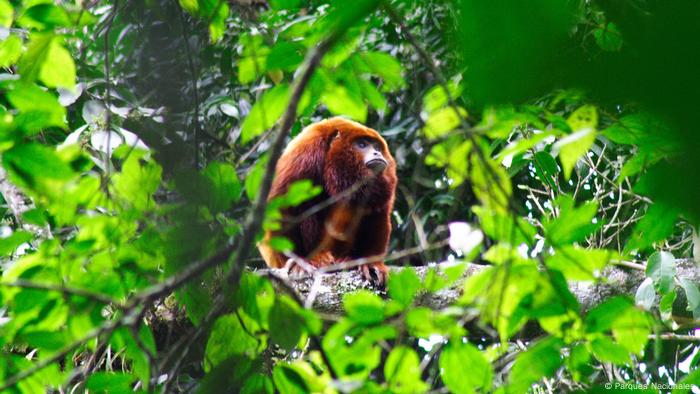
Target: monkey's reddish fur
(353, 227)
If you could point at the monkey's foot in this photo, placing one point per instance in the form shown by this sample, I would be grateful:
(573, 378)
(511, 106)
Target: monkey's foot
(375, 273)
(299, 267)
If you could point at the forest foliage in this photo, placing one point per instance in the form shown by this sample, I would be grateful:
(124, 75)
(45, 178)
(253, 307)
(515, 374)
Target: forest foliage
(547, 142)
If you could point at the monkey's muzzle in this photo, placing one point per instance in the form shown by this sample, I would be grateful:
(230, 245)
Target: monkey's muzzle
(377, 165)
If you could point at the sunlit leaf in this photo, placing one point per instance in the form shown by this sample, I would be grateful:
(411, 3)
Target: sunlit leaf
(6, 13)
(573, 223)
(577, 263)
(540, 360)
(442, 121)
(17, 238)
(46, 59)
(364, 307)
(10, 51)
(265, 113)
(340, 101)
(437, 97)
(464, 369)
(403, 286)
(386, 67)
(608, 351)
(583, 123)
(403, 372)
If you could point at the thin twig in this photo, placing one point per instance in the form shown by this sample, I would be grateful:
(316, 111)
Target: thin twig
(193, 76)
(26, 284)
(108, 94)
(373, 259)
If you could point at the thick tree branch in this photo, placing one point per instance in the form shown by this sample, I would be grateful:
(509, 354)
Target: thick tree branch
(328, 290)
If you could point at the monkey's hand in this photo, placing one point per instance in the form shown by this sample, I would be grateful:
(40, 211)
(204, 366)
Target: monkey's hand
(376, 273)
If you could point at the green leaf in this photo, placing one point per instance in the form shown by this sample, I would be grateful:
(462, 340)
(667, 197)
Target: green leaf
(300, 191)
(602, 317)
(34, 162)
(577, 263)
(340, 101)
(285, 55)
(364, 307)
(546, 168)
(281, 244)
(254, 178)
(286, 325)
(490, 183)
(138, 181)
(402, 371)
(58, 69)
(464, 369)
(692, 294)
(191, 6)
(608, 37)
(608, 351)
(45, 16)
(256, 384)
(631, 330)
(284, 4)
(656, 225)
(196, 300)
(437, 97)
(6, 13)
(373, 96)
(686, 384)
(442, 121)
(666, 306)
(451, 154)
(110, 382)
(583, 123)
(288, 380)
(32, 62)
(542, 359)
(10, 51)
(386, 67)
(255, 295)
(251, 67)
(265, 113)
(226, 187)
(573, 223)
(229, 338)
(629, 326)
(9, 244)
(38, 108)
(231, 372)
(403, 286)
(217, 27)
(661, 268)
(645, 295)
(505, 227)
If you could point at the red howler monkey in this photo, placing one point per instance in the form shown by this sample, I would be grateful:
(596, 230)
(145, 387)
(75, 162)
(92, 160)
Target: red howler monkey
(337, 154)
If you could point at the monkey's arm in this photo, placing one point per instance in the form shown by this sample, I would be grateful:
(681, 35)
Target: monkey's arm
(337, 235)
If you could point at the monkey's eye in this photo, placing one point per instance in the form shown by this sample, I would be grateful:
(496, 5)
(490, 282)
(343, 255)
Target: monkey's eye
(362, 144)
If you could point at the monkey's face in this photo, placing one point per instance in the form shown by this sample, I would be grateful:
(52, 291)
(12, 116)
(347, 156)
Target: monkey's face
(370, 151)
